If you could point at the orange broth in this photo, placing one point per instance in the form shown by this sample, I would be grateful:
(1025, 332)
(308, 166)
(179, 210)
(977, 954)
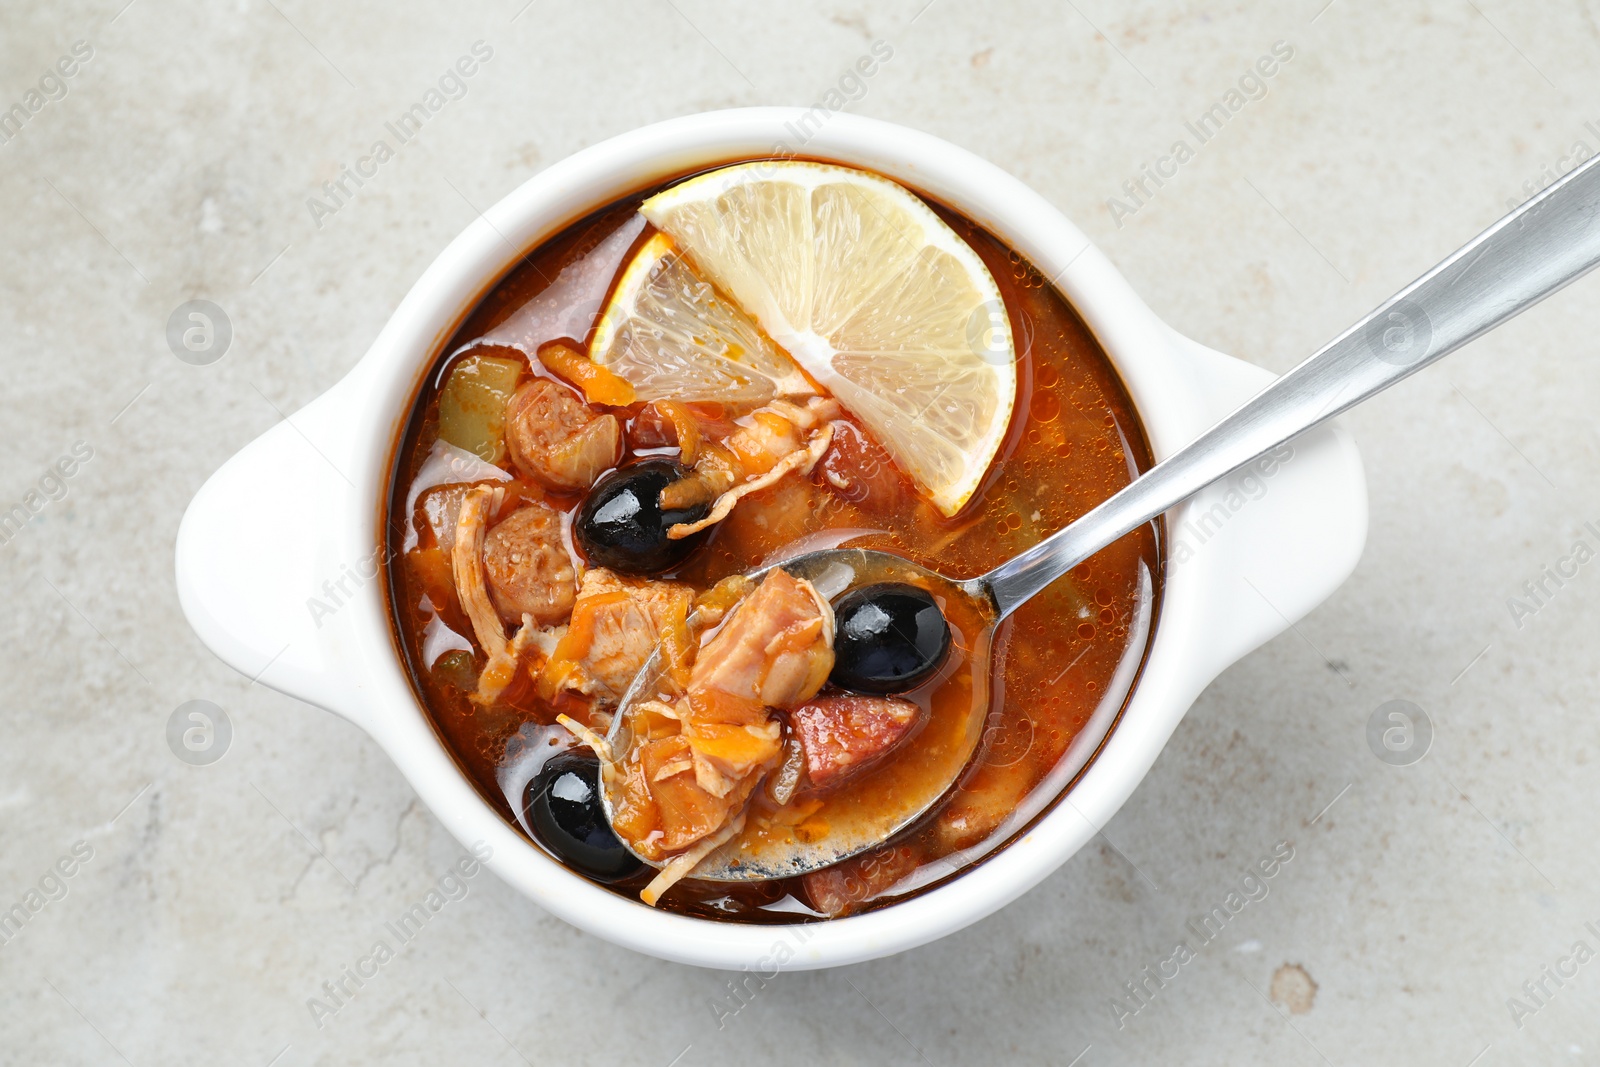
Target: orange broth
(1074, 440)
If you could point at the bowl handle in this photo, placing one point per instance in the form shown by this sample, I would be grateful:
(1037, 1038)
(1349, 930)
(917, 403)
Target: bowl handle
(1276, 538)
(256, 572)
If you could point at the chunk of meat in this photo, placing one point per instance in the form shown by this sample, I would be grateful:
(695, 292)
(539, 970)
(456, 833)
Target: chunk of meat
(686, 793)
(681, 865)
(528, 567)
(651, 428)
(726, 754)
(775, 650)
(845, 887)
(773, 431)
(667, 422)
(691, 821)
(617, 622)
(859, 469)
(775, 518)
(558, 440)
(667, 802)
(842, 736)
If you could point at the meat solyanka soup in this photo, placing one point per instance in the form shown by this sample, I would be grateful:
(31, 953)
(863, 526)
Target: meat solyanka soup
(688, 386)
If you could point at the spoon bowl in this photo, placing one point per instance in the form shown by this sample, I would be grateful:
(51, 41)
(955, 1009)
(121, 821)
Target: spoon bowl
(919, 774)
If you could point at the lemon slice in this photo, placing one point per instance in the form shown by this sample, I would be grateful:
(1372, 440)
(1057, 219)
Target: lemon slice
(673, 336)
(873, 294)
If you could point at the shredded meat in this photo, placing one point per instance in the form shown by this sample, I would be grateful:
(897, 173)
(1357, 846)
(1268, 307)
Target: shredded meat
(770, 444)
(558, 440)
(466, 566)
(617, 622)
(502, 670)
(841, 736)
(528, 567)
(687, 784)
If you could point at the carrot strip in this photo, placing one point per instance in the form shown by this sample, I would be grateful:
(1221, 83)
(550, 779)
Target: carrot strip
(685, 425)
(599, 385)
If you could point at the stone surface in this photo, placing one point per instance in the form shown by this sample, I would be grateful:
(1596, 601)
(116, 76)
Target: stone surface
(219, 898)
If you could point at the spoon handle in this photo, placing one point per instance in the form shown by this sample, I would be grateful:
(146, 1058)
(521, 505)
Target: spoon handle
(1551, 240)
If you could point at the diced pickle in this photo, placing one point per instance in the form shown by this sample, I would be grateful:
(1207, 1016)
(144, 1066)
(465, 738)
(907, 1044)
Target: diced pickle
(472, 405)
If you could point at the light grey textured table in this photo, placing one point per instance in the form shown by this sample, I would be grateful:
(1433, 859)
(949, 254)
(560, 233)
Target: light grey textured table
(217, 899)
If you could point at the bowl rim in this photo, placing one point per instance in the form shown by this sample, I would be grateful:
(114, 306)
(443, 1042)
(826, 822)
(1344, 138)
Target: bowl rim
(357, 670)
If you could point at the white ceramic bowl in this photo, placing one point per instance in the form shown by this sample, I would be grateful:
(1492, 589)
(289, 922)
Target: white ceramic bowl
(298, 515)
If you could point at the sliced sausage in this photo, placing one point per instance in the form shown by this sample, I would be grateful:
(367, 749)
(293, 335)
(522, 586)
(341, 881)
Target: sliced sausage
(528, 568)
(558, 440)
(845, 887)
(844, 735)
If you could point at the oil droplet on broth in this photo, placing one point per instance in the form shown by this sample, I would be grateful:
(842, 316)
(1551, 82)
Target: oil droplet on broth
(1045, 407)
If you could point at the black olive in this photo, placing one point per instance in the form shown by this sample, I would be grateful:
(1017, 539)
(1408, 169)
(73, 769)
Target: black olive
(621, 524)
(564, 809)
(888, 638)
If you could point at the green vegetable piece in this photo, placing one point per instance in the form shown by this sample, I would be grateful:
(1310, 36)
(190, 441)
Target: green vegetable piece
(457, 669)
(472, 405)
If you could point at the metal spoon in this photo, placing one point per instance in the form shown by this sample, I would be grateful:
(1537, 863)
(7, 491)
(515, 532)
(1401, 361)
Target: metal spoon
(1548, 242)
